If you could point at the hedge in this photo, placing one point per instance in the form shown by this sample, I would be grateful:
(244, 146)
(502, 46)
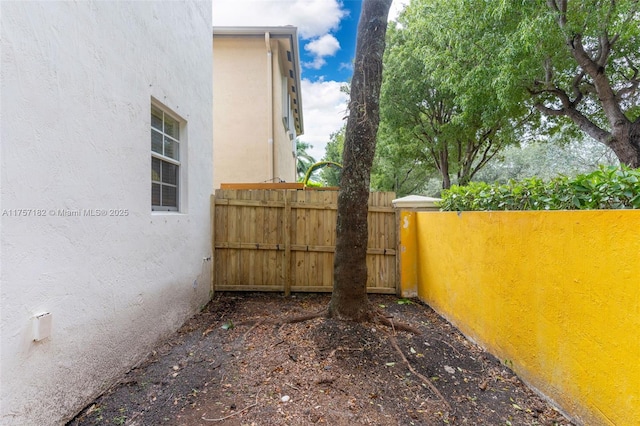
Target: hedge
(607, 188)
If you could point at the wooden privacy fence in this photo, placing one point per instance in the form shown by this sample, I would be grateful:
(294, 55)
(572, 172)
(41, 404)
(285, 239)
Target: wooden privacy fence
(284, 240)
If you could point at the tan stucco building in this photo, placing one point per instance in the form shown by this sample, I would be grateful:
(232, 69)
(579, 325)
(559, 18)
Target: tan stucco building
(257, 112)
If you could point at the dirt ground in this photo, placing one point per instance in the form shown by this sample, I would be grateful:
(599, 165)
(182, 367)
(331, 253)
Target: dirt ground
(236, 363)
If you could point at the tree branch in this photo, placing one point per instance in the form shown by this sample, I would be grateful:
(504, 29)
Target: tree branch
(600, 81)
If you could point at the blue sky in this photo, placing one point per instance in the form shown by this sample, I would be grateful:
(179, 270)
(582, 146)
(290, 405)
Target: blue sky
(330, 57)
(327, 36)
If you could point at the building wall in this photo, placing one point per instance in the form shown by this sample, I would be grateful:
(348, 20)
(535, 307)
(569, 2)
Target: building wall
(77, 82)
(554, 295)
(251, 143)
(242, 111)
(285, 160)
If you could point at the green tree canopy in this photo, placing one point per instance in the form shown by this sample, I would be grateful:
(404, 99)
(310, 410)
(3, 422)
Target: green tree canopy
(458, 71)
(439, 108)
(333, 153)
(575, 61)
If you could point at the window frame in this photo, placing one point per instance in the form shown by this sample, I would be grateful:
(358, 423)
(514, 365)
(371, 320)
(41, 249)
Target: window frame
(163, 158)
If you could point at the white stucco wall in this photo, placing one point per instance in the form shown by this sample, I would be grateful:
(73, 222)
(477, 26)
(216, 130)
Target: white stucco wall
(77, 83)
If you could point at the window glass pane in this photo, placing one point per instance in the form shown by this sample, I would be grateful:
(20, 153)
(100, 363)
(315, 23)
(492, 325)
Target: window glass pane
(165, 143)
(155, 169)
(169, 173)
(171, 148)
(171, 127)
(169, 196)
(155, 194)
(156, 118)
(156, 142)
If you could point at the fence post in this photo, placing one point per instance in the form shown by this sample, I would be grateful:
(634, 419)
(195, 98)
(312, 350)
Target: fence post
(408, 261)
(212, 275)
(287, 243)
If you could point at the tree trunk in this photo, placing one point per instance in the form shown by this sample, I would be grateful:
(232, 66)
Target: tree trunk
(625, 142)
(444, 168)
(624, 138)
(349, 299)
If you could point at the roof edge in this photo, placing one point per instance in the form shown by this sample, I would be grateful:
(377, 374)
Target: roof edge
(275, 31)
(245, 30)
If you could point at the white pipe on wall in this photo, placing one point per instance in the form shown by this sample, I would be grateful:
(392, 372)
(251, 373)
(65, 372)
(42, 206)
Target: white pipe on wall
(271, 148)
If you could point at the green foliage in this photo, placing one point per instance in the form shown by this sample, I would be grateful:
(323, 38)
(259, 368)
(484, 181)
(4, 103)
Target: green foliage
(303, 159)
(576, 61)
(333, 153)
(397, 167)
(439, 109)
(457, 69)
(606, 188)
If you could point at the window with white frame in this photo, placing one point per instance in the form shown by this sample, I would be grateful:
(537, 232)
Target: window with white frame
(165, 160)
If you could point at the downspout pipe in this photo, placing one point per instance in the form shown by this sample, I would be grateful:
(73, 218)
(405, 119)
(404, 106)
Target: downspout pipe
(271, 149)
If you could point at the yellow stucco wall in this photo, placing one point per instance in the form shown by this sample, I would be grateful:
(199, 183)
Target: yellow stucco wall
(555, 295)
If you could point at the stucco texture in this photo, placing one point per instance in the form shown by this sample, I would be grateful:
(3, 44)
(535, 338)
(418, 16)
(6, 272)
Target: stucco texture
(251, 142)
(555, 295)
(78, 79)
(242, 111)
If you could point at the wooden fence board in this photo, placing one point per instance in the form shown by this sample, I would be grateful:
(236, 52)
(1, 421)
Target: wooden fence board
(284, 240)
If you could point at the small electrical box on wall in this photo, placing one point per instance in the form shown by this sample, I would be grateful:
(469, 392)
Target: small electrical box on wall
(42, 326)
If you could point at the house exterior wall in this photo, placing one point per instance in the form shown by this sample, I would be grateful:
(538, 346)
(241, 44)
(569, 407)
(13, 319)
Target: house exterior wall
(285, 160)
(78, 79)
(251, 143)
(553, 294)
(241, 113)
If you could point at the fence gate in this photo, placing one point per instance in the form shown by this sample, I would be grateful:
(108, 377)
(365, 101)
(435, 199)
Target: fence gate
(284, 240)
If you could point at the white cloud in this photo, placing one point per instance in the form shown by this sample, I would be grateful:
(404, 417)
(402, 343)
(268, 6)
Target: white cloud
(396, 8)
(316, 64)
(327, 45)
(324, 109)
(346, 66)
(324, 105)
(314, 18)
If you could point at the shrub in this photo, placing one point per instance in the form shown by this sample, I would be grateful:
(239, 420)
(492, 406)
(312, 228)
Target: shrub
(606, 188)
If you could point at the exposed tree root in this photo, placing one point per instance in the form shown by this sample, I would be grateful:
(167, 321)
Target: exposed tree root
(280, 321)
(392, 339)
(381, 318)
(377, 317)
(426, 381)
(320, 314)
(252, 328)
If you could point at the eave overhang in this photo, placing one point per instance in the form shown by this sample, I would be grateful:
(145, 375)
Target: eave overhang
(289, 36)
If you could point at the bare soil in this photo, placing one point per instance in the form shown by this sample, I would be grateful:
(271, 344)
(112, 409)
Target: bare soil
(239, 363)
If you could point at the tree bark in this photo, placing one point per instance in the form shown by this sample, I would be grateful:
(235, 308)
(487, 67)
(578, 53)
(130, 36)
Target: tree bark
(349, 299)
(624, 136)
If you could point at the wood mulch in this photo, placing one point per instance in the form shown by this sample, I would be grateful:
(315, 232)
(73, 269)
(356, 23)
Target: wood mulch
(239, 363)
